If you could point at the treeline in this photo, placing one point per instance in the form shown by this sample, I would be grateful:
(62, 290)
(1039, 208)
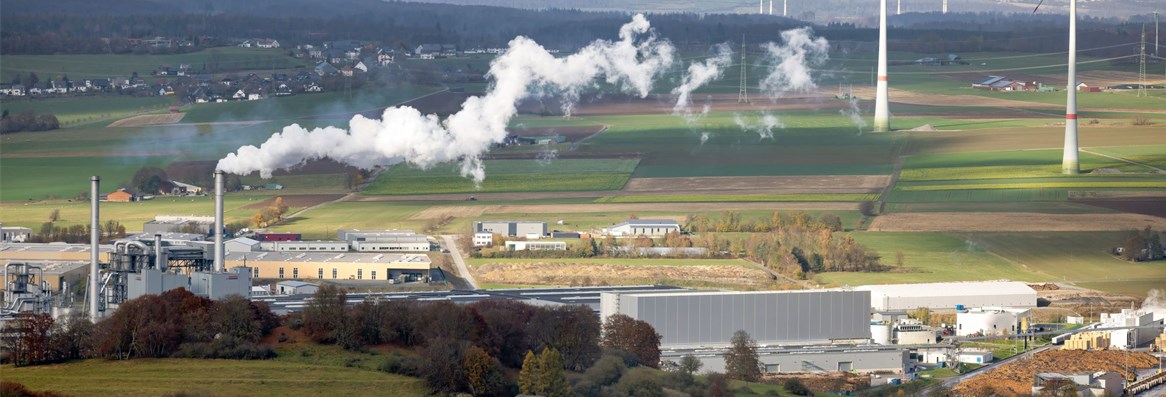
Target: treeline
(50, 232)
(174, 324)
(32, 28)
(1141, 245)
(793, 244)
(27, 120)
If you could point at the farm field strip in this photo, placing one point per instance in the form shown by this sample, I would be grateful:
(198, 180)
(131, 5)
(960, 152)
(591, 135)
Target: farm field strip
(132, 215)
(725, 198)
(930, 257)
(1037, 185)
(1012, 222)
(508, 176)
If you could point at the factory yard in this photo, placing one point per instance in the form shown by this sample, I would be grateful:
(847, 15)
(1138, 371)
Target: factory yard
(1015, 378)
(1011, 222)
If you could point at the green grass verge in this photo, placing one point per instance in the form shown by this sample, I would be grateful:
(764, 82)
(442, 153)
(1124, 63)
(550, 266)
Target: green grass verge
(155, 377)
(38, 178)
(1071, 256)
(713, 198)
(931, 257)
(507, 176)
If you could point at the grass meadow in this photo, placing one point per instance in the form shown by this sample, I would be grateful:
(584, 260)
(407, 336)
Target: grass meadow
(507, 176)
(132, 215)
(80, 67)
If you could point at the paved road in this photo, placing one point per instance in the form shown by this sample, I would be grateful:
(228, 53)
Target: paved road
(458, 260)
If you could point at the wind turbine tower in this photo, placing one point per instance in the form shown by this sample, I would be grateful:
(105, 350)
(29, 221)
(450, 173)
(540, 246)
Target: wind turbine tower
(882, 119)
(1069, 162)
(785, 8)
(899, 7)
(1142, 65)
(770, 7)
(945, 6)
(761, 7)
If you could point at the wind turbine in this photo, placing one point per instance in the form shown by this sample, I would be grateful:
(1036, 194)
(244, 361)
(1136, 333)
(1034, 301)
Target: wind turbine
(1070, 164)
(882, 119)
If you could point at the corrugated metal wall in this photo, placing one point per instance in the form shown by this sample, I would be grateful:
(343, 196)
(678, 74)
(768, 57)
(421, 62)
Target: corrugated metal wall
(771, 318)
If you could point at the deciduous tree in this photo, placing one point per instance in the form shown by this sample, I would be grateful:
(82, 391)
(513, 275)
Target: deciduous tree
(741, 362)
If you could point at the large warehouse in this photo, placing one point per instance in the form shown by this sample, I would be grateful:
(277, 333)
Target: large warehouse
(528, 229)
(949, 295)
(708, 319)
(862, 359)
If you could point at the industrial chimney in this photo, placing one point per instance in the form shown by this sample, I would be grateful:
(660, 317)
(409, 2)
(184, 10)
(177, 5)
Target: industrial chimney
(882, 119)
(219, 253)
(1069, 164)
(94, 241)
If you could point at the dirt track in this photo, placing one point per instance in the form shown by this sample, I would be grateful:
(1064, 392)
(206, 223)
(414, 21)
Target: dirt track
(148, 119)
(1011, 222)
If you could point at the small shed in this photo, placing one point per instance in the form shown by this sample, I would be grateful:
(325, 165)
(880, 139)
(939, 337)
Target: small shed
(295, 288)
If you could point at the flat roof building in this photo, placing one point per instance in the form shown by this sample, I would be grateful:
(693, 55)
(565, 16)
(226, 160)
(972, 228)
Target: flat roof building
(708, 319)
(644, 227)
(950, 295)
(512, 228)
(333, 266)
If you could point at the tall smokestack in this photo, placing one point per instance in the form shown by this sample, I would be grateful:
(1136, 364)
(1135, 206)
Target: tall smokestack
(94, 237)
(882, 117)
(219, 175)
(158, 261)
(1069, 164)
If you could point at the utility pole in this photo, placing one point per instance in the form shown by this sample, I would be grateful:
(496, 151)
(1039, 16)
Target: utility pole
(743, 95)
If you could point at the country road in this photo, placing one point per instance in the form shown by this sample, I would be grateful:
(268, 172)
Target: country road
(462, 269)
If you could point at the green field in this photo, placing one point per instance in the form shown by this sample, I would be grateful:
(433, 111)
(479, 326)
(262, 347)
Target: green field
(931, 257)
(79, 110)
(323, 222)
(507, 176)
(80, 67)
(132, 215)
(1071, 256)
(615, 261)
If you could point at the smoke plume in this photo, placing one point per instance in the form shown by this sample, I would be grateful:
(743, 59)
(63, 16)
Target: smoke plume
(763, 126)
(404, 134)
(699, 74)
(790, 62)
(1155, 303)
(855, 114)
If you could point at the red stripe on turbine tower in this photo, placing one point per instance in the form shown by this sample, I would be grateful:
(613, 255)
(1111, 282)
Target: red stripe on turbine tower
(882, 78)
(1071, 116)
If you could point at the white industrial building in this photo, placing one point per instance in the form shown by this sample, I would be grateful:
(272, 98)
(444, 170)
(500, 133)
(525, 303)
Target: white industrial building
(483, 239)
(15, 234)
(292, 287)
(242, 244)
(527, 229)
(1133, 337)
(895, 328)
(536, 246)
(950, 295)
(644, 227)
(694, 319)
(975, 356)
(299, 246)
(992, 321)
(862, 359)
(385, 240)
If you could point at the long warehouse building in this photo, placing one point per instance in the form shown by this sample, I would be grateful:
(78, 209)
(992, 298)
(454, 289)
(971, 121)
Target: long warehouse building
(891, 297)
(708, 319)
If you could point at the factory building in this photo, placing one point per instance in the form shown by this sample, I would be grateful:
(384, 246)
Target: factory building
(895, 328)
(15, 234)
(242, 244)
(644, 227)
(694, 319)
(950, 295)
(48, 252)
(292, 287)
(862, 359)
(992, 321)
(333, 266)
(536, 246)
(56, 276)
(1134, 337)
(393, 244)
(483, 239)
(527, 229)
(301, 246)
(179, 224)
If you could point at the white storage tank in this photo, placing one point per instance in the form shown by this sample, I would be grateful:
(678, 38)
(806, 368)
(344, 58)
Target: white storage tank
(880, 333)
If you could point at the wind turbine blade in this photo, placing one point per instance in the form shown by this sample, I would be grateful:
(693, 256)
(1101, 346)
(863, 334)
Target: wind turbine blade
(1037, 6)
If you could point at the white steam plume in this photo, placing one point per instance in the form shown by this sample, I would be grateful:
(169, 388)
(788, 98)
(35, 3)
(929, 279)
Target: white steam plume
(855, 114)
(1155, 303)
(790, 63)
(699, 74)
(404, 134)
(763, 126)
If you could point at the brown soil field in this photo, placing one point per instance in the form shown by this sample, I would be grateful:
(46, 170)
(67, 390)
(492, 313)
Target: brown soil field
(1015, 378)
(148, 119)
(773, 184)
(297, 200)
(919, 98)
(552, 273)
(473, 211)
(119, 153)
(1155, 206)
(1011, 222)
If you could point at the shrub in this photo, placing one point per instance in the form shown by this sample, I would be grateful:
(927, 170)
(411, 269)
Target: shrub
(797, 388)
(400, 364)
